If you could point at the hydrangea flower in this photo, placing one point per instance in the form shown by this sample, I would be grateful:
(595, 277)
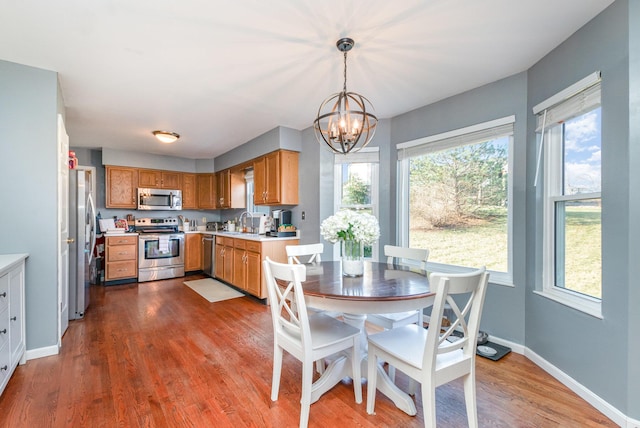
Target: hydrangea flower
(350, 225)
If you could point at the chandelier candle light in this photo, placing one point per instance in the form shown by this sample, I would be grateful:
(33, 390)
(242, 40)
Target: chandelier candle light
(350, 124)
(353, 230)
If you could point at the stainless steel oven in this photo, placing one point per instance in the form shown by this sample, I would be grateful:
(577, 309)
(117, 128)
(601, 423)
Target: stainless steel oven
(160, 249)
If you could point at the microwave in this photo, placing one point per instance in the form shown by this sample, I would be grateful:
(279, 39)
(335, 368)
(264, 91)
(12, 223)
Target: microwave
(159, 199)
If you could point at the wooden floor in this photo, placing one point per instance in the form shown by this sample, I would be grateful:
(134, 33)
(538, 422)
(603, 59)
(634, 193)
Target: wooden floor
(158, 355)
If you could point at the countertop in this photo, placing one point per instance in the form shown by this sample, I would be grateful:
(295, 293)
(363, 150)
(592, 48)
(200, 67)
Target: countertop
(8, 261)
(248, 236)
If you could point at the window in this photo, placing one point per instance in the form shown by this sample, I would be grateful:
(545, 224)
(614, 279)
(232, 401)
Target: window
(455, 193)
(570, 134)
(356, 187)
(251, 207)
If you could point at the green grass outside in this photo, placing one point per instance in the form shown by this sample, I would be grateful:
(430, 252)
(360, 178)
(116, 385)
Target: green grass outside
(486, 244)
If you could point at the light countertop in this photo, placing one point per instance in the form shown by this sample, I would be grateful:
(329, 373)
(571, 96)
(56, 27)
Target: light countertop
(8, 261)
(248, 236)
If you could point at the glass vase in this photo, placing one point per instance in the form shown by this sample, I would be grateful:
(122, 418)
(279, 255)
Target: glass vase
(352, 258)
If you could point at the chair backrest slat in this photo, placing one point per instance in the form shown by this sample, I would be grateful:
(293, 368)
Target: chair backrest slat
(397, 254)
(294, 252)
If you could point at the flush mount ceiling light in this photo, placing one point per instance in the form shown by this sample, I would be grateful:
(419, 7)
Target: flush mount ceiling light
(345, 120)
(165, 136)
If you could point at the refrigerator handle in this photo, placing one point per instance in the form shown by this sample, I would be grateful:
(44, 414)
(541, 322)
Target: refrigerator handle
(92, 220)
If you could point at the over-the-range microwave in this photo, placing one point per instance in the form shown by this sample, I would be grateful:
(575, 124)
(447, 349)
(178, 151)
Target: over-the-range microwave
(159, 199)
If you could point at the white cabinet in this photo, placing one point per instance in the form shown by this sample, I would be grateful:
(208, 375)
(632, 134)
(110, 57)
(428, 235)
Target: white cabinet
(12, 325)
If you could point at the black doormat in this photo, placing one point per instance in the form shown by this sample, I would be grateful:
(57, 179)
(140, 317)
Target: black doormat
(501, 351)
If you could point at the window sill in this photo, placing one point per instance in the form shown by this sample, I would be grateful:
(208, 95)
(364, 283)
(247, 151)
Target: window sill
(497, 278)
(588, 305)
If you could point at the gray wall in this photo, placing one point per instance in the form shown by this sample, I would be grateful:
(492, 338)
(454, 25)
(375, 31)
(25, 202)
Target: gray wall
(591, 350)
(633, 301)
(28, 188)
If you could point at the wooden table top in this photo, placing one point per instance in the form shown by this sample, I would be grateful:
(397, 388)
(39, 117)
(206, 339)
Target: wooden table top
(379, 282)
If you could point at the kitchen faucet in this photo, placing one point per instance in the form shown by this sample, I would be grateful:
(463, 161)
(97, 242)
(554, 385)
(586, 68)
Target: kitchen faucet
(244, 227)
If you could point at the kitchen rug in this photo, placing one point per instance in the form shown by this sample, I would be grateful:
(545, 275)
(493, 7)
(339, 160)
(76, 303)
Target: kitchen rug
(212, 290)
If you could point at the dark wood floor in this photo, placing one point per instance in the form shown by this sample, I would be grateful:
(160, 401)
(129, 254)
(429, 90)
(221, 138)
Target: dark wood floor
(158, 355)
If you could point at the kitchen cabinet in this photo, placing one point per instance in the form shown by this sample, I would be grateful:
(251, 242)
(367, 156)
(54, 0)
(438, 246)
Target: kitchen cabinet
(121, 187)
(121, 257)
(224, 258)
(239, 261)
(231, 189)
(158, 179)
(12, 315)
(275, 178)
(206, 191)
(193, 252)
(189, 192)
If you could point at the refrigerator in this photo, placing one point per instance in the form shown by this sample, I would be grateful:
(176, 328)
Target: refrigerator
(82, 228)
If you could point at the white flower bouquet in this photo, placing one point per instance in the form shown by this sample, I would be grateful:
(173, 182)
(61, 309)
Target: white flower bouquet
(347, 225)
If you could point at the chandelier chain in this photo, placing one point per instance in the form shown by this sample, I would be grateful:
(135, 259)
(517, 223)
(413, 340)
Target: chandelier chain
(344, 88)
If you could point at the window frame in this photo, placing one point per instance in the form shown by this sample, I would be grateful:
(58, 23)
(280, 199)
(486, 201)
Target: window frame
(553, 192)
(432, 144)
(366, 155)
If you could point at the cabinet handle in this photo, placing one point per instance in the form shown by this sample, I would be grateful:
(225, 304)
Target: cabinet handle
(3, 331)
(122, 253)
(3, 294)
(14, 318)
(5, 367)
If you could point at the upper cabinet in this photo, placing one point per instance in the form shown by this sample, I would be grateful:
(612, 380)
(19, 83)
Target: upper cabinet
(158, 179)
(121, 187)
(275, 178)
(206, 191)
(231, 189)
(189, 192)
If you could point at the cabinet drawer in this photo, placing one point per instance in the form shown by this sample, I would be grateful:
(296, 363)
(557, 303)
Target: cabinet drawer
(222, 240)
(4, 327)
(5, 364)
(122, 240)
(239, 243)
(125, 269)
(121, 252)
(253, 246)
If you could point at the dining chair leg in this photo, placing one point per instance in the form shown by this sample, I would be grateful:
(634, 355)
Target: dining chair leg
(429, 404)
(307, 384)
(470, 399)
(277, 369)
(372, 378)
(356, 360)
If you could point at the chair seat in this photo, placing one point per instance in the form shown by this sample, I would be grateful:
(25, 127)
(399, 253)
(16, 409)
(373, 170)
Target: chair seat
(411, 340)
(326, 331)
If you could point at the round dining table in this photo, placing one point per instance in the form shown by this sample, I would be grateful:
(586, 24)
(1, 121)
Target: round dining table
(383, 288)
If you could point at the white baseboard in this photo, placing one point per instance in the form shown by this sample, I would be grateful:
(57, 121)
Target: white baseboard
(586, 394)
(32, 354)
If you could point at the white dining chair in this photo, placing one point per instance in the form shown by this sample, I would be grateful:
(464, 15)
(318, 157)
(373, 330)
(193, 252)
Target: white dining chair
(307, 338)
(396, 255)
(430, 357)
(313, 251)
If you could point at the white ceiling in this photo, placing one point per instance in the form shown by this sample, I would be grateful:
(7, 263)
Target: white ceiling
(221, 72)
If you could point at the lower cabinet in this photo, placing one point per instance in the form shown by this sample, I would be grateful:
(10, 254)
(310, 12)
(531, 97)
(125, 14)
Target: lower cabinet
(193, 252)
(121, 257)
(12, 322)
(239, 261)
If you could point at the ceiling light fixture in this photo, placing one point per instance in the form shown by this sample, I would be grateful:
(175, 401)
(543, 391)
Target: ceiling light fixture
(350, 124)
(165, 136)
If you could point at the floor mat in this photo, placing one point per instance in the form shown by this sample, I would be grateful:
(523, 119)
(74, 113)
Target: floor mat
(212, 290)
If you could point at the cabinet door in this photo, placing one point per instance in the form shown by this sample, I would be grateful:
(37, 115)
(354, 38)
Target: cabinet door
(170, 180)
(254, 269)
(259, 181)
(16, 314)
(223, 187)
(206, 191)
(149, 178)
(227, 275)
(121, 187)
(272, 178)
(189, 191)
(193, 252)
(239, 268)
(219, 261)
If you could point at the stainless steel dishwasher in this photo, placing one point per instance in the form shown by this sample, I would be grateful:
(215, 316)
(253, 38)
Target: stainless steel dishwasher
(209, 255)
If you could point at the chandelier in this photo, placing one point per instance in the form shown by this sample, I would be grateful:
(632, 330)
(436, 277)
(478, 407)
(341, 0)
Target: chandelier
(345, 122)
